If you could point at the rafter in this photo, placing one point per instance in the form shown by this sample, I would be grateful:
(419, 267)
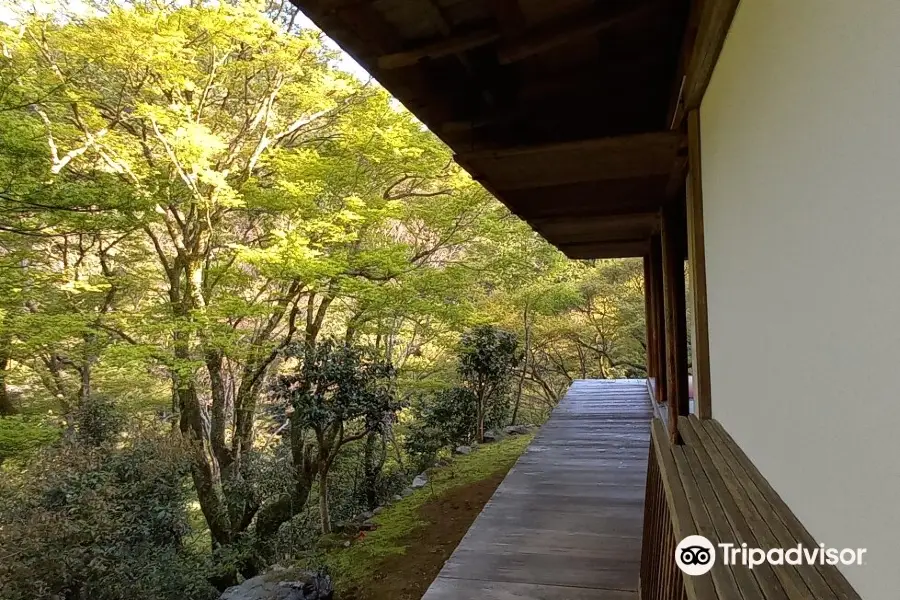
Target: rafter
(563, 32)
(617, 249)
(439, 49)
(623, 157)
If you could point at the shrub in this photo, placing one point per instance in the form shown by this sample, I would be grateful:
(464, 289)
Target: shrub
(98, 421)
(86, 522)
(487, 359)
(22, 435)
(445, 418)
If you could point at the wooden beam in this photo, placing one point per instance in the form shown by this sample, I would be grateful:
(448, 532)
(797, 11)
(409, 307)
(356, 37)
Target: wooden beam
(509, 16)
(676, 101)
(600, 228)
(438, 49)
(656, 268)
(676, 316)
(495, 118)
(615, 249)
(565, 31)
(715, 21)
(623, 157)
(591, 199)
(650, 338)
(697, 270)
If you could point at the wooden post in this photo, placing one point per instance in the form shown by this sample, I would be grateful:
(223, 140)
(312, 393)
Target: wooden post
(697, 267)
(659, 321)
(649, 318)
(673, 246)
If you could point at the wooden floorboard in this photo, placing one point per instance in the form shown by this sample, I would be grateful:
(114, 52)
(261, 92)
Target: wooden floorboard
(566, 522)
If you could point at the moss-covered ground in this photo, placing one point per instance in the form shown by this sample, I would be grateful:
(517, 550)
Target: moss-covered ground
(414, 536)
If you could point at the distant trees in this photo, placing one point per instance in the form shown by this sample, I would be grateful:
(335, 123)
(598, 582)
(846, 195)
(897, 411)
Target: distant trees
(208, 230)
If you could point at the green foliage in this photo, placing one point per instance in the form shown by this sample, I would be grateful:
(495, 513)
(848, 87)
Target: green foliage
(445, 418)
(335, 387)
(100, 523)
(21, 435)
(195, 207)
(98, 421)
(487, 359)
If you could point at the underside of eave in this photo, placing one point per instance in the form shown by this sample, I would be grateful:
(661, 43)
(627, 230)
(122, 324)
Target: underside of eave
(570, 113)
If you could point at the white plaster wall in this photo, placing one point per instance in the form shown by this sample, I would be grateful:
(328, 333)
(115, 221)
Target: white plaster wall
(801, 187)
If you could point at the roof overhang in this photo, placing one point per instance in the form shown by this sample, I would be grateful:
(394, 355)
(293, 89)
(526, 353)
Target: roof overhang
(570, 112)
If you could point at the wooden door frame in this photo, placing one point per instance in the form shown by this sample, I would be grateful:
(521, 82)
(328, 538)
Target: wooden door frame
(697, 270)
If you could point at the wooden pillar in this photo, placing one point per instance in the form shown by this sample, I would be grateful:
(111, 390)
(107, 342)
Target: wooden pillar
(649, 321)
(673, 247)
(697, 269)
(659, 321)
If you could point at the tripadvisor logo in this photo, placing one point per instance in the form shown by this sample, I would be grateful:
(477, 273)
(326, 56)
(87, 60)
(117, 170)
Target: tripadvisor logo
(696, 555)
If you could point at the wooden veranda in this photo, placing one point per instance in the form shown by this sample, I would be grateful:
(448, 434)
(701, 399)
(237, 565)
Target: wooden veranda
(566, 523)
(583, 118)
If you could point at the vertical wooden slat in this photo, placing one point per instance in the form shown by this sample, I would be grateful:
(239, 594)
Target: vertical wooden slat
(656, 271)
(649, 318)
(676, 316)
(697, 266)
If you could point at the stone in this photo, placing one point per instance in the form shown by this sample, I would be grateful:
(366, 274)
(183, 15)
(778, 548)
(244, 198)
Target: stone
(407, 491)
(272, 586)
(516, 430)
(489, 436)
(420, 481)
(378, 510)
(397, 497)
(463, 450)
(365, 516)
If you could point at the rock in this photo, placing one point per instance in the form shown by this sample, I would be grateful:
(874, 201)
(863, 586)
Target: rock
(463, 449)
(368, 526)
(420, 481)
(272, 586)
(397, 497)
(489, 436)
(516, 430)
(378, 510)
(350, 529)
(365, 516)
(407, 491)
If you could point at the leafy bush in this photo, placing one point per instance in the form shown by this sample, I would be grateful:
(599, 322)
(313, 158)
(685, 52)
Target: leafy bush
(487, 359)
(21, 435)
(98, 421)
(88, 522)
(445, 418)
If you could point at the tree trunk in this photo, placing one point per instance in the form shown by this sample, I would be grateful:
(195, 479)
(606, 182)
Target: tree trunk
(480, 408)
(373, 462)
(524, 368)
(6, 404)
(324, 514)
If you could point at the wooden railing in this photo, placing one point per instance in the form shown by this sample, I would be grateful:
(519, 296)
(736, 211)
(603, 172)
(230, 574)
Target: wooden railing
(661, 579)
(707, 486)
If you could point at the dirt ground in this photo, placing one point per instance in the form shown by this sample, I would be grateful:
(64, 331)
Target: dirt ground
(406, 577)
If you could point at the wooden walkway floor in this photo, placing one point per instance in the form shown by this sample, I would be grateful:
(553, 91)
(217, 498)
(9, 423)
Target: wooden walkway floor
(566, 522)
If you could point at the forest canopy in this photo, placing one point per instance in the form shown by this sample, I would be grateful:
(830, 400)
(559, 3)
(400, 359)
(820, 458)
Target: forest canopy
(233, 279)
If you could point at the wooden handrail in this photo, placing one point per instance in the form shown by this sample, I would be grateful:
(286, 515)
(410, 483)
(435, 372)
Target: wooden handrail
(707, 486)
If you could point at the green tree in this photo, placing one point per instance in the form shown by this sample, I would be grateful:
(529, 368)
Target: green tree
(488, 357)
(334, 397)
